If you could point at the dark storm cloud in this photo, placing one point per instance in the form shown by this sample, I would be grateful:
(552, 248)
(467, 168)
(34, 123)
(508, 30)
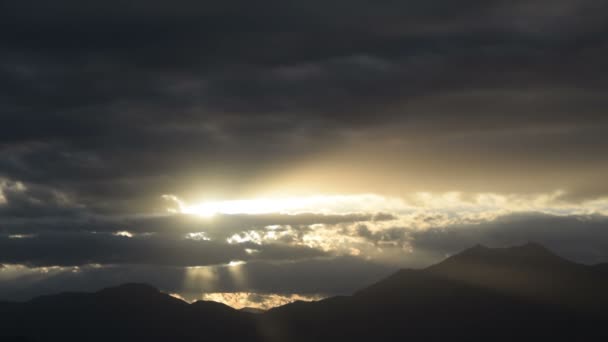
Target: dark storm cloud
(54, 238)
(119, 102)
(88, 248)
(33, 202)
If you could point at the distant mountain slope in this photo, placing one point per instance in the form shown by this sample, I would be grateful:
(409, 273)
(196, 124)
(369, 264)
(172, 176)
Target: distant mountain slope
(523, 293)
(133, 312)
(531, 272)
(602, 268)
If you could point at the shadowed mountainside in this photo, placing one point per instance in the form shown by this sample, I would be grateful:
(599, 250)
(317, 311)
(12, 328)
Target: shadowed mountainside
(523, 293)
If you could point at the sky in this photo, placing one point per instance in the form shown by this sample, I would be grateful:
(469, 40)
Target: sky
(262, 152)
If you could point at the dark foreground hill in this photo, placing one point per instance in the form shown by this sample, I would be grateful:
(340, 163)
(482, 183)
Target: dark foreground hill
(522, 293)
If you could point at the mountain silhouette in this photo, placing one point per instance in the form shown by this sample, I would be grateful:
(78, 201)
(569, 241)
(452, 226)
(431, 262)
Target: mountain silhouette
(522, 293)
(132, 312)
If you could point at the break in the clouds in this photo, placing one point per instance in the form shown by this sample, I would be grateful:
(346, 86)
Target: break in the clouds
(136, 134)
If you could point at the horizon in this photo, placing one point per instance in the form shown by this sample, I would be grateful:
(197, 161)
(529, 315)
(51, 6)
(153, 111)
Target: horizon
(241, 301)
(265, 302)
(261, 153)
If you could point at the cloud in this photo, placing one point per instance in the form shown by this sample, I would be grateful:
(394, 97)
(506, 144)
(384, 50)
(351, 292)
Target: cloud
(136, 105)
(242, 300)
(76, 249)
(20, 200)
(219, 227)
(391, 236)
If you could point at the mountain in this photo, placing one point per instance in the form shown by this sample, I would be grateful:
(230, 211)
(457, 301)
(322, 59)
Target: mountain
(134, 312)
(601, 268)
(523, 293)
(531, 272)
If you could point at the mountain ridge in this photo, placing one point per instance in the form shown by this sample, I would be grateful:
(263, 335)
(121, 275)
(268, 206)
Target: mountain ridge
(526, 287)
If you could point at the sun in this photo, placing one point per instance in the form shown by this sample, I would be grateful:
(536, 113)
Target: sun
(251, 206)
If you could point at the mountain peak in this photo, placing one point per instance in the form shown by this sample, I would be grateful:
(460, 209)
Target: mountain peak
(528, 254)
(528, 247)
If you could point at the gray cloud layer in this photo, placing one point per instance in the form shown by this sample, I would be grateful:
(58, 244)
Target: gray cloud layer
(87, 248)
(581, 238)
(116, 103)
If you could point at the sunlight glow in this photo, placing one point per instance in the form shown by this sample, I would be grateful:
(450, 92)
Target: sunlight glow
(453, 204)
(21, 236)
(200, 278)
(261, 301)
(123, 233)
(235, 263)
(321, 204)
(200, 236)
